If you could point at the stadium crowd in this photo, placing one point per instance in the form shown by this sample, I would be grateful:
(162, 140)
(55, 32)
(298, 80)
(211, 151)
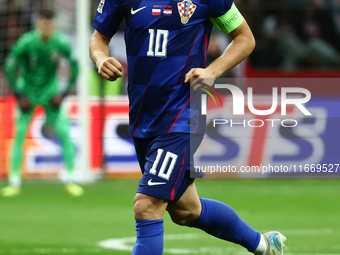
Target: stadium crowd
(294, 34)
(290, 34)
(297, 33)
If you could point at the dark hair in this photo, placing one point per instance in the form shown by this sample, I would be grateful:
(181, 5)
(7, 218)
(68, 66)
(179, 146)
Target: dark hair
(46, 14)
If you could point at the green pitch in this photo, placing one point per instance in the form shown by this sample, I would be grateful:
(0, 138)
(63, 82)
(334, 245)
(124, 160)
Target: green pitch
(45, 220)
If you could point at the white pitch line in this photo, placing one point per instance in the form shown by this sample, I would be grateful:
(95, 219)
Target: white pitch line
(127, 243)
(182, 236)
(121, 244)
(52, 251)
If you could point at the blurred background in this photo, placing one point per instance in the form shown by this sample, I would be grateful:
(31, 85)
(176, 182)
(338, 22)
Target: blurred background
(298, 44)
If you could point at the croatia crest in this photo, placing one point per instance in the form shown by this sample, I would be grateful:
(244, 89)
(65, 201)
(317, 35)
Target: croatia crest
(101, 5)
(186, 9)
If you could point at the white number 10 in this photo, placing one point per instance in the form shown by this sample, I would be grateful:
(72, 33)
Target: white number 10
(159, 51)
(169, 155)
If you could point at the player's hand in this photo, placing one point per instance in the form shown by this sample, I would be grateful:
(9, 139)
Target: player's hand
(199, 78)
(24, 104)
(110, 69)
(56, 101)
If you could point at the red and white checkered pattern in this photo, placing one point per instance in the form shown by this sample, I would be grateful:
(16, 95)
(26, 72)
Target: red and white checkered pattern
(181, 5)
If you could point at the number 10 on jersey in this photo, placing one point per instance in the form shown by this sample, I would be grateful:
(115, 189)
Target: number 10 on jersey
(158, 47)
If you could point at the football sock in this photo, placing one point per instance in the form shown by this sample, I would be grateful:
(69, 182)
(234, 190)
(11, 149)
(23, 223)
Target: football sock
(221, 221)
(261, 248)
(149, 237)
(62, 128)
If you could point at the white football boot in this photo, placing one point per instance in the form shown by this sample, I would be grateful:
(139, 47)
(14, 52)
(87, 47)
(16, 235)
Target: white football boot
(275, 243)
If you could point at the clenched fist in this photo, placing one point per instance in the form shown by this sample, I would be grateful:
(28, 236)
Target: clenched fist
(199, 78)
(24, 104)
(110, 69)
(56, 101)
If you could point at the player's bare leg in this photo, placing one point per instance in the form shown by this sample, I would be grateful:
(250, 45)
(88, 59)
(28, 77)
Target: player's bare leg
(221, 221)
(149, 208)
(188, 208)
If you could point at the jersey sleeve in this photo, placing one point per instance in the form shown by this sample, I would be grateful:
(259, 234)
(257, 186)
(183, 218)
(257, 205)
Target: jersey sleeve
(109, 16)
(68, 53)
(15, 58)
(219, 7)
(228, 17)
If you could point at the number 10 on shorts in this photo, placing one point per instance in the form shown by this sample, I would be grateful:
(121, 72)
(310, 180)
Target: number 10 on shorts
(164, 172)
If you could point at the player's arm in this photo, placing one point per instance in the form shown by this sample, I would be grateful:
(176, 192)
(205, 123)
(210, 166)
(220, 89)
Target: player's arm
(243, 43)
(74, 69)
(108, 67)
(12, 64)
(106, 22)
(67, 52)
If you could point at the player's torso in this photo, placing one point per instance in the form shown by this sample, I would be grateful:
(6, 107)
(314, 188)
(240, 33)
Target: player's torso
(41, 61)
(164, 40)
(163, 28)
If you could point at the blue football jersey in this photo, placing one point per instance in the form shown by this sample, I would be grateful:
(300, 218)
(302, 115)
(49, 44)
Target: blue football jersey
(164, 40)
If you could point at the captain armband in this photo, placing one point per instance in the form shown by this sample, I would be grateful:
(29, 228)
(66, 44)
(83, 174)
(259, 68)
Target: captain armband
(229, 21)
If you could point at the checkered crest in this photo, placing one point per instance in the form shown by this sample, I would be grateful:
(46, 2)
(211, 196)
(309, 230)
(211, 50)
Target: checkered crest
(186, 9)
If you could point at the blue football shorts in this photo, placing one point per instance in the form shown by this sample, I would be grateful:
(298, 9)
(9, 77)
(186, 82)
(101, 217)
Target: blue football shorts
(167, 164)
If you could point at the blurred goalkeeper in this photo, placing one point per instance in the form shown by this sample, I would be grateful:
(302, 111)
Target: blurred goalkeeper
(31, 69)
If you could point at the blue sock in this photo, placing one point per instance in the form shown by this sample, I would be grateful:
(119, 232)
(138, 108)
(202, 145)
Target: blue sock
(220, 220)
(149, 237)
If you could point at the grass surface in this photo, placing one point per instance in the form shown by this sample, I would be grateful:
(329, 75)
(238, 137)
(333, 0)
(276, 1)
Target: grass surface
(45, 220)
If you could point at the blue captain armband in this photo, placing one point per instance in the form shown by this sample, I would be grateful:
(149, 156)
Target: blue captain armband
(229, 21)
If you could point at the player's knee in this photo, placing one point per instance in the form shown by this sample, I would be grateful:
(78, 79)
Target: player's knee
(148, 208)
(143, 210)
(184, 217)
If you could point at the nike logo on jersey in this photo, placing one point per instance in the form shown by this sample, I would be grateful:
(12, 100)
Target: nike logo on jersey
(133, 12)
(150, 183)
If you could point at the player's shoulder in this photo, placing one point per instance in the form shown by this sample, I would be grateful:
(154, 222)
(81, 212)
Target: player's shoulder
(61, 37)
(218, 7)
(220, 2)
(28, 37)
(105, 5)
